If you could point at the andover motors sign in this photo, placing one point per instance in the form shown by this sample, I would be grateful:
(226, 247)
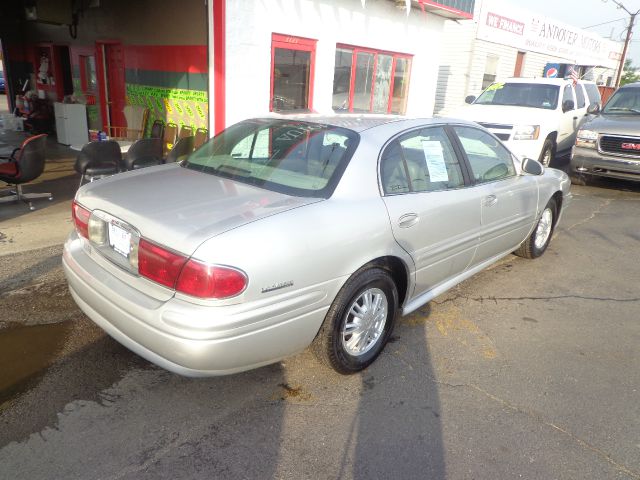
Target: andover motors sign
(500, 22)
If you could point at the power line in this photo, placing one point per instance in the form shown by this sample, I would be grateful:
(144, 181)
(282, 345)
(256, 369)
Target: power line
(632, 19)
(604, 23)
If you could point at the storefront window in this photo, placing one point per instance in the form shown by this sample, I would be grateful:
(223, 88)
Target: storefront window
(490, 71)
(342, 79)
(400, 86)
(292, 73)
(362, 87)
(379, 84)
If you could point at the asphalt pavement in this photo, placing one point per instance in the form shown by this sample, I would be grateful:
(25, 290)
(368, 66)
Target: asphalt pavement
(527, 370)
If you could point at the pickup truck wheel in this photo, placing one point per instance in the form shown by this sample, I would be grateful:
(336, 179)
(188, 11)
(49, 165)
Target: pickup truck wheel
(536, 243)
(359, 322)
(548, 152)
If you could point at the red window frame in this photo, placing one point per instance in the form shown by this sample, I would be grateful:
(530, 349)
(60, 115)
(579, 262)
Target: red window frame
(290, 42)
(375, 52)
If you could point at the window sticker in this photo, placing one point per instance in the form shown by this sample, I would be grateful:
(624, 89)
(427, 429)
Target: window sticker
(495, 86)
(435, 161)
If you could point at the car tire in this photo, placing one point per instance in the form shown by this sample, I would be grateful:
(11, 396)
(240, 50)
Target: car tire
(548, 152)
(538, 241)
(373, 293)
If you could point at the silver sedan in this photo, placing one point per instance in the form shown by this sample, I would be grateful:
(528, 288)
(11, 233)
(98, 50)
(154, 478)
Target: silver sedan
(281, 233)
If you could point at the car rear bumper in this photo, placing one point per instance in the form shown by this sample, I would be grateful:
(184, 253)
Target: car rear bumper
(190, 339)
(588, 161)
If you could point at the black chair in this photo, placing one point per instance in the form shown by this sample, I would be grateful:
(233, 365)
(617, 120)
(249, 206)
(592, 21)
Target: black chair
(25, 164)
(181, 149)
(98, 159)
(143, 153)
(169, 137)
(185, 131)
(157, 129)
(201, 136)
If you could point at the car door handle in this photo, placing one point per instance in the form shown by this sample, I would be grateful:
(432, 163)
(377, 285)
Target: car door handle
(408, 220)
(490, 201)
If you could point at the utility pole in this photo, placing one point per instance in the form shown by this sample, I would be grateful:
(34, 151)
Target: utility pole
(632, 19)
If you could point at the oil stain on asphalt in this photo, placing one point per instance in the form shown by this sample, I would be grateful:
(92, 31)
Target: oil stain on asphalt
(26, 352)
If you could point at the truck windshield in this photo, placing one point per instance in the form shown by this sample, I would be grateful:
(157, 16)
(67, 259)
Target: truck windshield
(288, 156)
(532, 95)
(624, 101)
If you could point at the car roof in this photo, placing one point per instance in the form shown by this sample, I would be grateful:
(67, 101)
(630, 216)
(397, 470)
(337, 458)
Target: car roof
(542, 80)
(356, 122)
(361, 122)
(631, 85)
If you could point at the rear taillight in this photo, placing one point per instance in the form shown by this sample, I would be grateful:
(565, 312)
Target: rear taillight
(159, 264)
(190, 277)
(210, 281)
(80, 219)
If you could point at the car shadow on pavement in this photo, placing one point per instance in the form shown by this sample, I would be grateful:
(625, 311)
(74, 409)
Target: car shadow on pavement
(292, 419)
(399, 416)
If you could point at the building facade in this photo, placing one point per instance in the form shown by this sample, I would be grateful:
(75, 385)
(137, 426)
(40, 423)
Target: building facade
(503, 41)
(210, 64)
(110, 53)
(351, 56)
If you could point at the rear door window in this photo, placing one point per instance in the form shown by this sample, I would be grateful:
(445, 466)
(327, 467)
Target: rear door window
(420, 161)
(567, 94)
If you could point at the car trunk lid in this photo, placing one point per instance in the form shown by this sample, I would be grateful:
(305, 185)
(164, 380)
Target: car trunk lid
(181, 208)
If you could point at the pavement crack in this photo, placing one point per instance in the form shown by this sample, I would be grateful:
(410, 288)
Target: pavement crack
(597, 211)
(532, 298)
(538, 417)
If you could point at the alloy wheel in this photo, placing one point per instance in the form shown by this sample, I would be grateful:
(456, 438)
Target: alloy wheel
(364, 322)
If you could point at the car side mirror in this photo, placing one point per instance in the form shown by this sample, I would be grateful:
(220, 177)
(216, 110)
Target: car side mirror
(532, 167)
(470, 99)
(593, 108)
(567, 105)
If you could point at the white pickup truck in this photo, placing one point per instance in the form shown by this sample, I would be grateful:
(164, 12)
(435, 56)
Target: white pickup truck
(535, 117)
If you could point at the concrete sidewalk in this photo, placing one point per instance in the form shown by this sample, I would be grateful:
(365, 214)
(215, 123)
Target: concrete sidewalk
(22, 229)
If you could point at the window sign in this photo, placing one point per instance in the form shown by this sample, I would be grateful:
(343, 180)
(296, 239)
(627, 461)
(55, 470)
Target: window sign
(434, 156)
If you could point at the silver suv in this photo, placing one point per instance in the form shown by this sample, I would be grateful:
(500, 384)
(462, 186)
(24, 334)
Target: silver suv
(608, 143)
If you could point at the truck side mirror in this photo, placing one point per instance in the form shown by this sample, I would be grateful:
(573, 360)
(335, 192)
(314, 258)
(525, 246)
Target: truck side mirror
(593, 108)
(470, 99)
(567, 105)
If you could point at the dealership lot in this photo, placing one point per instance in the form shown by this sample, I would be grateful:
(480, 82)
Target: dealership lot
(527, 370)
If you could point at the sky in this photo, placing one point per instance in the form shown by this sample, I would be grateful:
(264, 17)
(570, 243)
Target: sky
(587, 13)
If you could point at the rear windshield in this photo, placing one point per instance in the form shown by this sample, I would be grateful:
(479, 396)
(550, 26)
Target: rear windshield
(533, 95)
(292, 157)
(624, 101)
